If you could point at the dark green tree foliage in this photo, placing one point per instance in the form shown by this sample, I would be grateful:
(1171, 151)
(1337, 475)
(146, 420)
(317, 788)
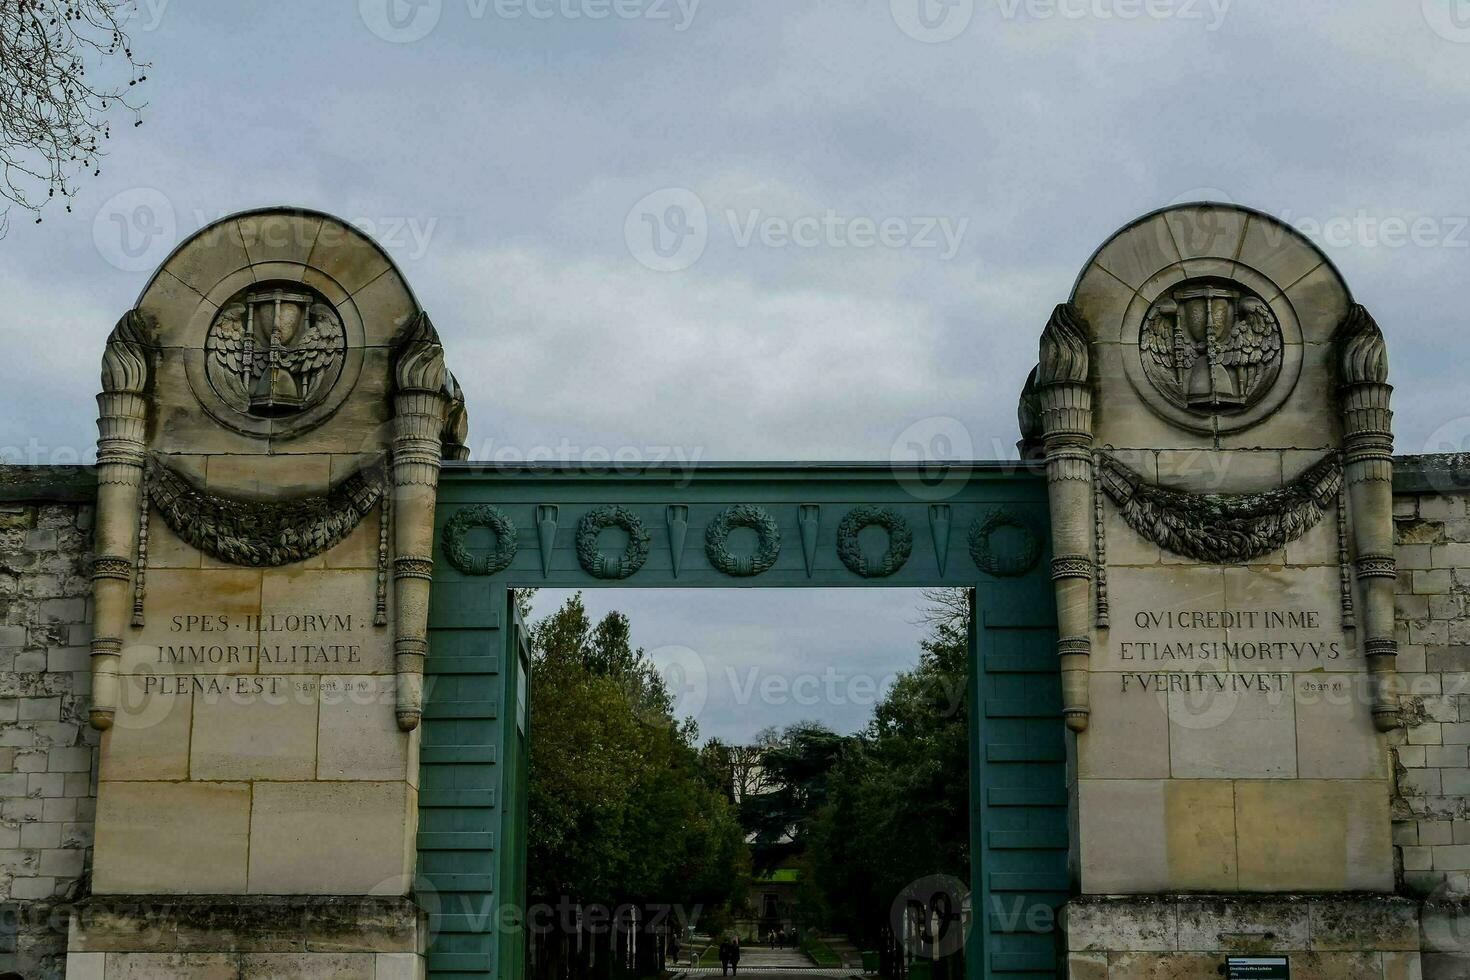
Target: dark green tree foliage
(623, 810)
(897, 799)
(796, 768)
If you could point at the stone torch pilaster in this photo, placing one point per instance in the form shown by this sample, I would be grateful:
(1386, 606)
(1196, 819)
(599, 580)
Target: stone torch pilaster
(1367, 423)
(122, 420)
(421, 407)
(1065, 400)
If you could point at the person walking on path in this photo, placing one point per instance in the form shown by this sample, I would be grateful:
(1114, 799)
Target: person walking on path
(735, 955)
(725, 956)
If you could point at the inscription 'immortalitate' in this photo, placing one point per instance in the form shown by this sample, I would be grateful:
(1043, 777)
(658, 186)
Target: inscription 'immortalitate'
(324, 645)
(1255, 637)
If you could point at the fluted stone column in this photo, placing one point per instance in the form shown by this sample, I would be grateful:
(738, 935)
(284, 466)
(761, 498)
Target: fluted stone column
(1065, 400)
(1367, 422)
(421, 407)
(122, 432)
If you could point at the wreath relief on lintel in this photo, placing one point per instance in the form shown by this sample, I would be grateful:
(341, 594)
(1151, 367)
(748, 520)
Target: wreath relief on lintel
(1221, 528)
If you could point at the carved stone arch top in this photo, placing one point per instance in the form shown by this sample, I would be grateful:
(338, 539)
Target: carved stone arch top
(1210, 311)
(274, 319)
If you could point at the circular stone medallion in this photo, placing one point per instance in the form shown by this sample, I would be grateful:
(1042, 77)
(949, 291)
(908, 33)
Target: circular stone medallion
(1211, 347)
(275, 351)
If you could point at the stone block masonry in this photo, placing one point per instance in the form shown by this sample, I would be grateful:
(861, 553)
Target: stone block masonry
(1431, 803)
(47, 749)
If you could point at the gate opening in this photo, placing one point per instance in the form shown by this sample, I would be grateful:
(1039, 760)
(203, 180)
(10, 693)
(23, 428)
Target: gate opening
(768, 781)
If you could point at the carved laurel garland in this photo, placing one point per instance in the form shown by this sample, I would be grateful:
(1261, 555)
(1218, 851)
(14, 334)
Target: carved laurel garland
(260, 533)
(1004, 565)
(758, 520)
(1222, 528)
(900, 541)
(457, 529)
(593, 523)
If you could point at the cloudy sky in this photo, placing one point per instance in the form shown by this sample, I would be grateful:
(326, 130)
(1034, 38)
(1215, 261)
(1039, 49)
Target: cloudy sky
(648, 226)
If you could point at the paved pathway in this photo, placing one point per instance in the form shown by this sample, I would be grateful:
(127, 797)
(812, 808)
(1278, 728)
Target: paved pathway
(772, 964)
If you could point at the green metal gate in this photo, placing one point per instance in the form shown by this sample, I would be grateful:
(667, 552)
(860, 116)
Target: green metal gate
(982, 527)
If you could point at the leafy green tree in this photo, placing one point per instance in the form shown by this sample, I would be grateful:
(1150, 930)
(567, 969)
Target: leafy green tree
(624, 810)
(897, 806)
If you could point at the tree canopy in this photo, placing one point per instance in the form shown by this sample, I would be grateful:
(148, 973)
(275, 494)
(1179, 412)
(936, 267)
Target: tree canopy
(62, 65)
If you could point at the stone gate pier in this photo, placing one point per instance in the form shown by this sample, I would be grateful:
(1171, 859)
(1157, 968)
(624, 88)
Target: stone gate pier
(216, 639)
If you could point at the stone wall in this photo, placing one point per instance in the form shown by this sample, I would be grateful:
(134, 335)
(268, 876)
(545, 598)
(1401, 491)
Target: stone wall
(1431, 756)
(47, 749)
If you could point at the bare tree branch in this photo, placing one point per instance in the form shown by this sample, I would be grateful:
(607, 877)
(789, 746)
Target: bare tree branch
(53, 113)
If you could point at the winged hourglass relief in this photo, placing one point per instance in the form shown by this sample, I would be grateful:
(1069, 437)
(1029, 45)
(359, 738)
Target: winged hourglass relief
(274, 351)
(1211, 347)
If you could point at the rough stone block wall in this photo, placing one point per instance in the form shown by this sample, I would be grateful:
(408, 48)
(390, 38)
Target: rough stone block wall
(47, 750)
(1431, 756)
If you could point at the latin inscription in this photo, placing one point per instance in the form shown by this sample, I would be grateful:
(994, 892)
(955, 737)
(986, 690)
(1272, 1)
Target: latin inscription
(1173, 652)
(1260, 637)
(246, 640)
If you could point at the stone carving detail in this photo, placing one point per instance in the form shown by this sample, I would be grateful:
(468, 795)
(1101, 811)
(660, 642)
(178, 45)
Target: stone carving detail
(1058, 403)
(274, 351)
(260, 533)
(1004, 565)
(457, 421)
(1211, 347)
(122, 429)
(457, 528)
(1221, 528)
(593, 523)
(1344, 576)
(758, 520)
(900, 541)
